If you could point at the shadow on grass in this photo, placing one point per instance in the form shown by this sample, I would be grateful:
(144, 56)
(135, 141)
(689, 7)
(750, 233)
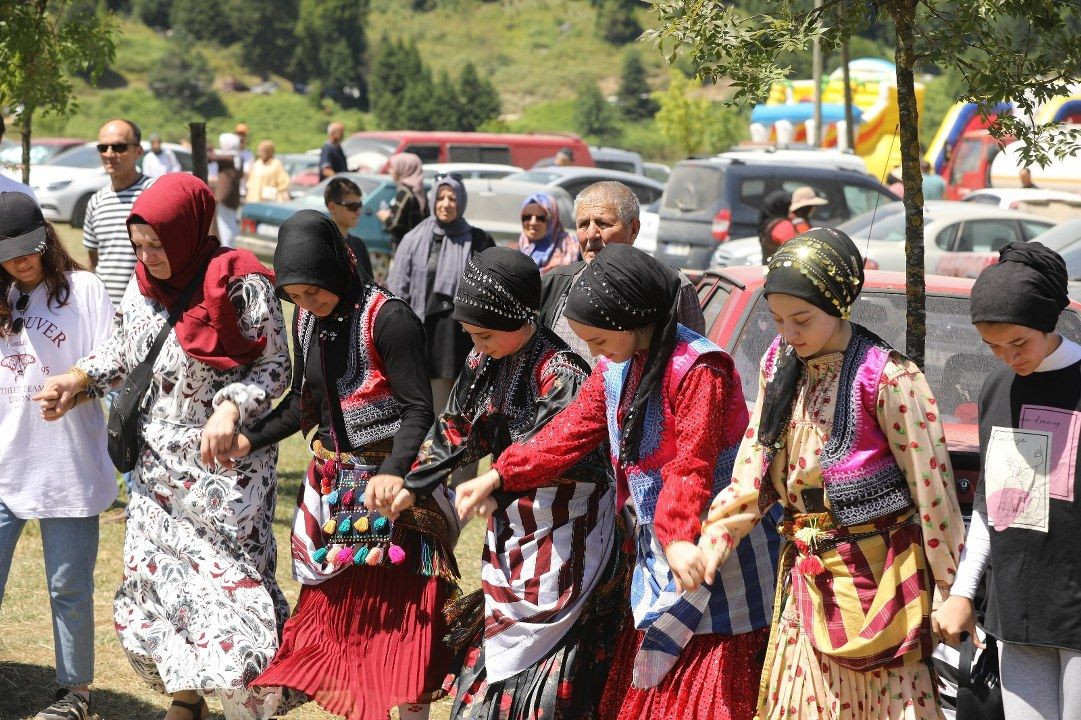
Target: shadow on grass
(25, 690)
(289, 482)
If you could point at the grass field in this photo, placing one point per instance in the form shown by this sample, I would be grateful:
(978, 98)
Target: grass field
(26, 640)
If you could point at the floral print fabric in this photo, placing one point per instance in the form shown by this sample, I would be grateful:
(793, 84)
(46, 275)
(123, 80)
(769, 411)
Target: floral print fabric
(198, 607)
(804, 683)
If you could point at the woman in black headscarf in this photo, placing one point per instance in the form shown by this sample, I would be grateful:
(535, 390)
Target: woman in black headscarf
(539, 635)
(1035, 589)
(670, 404)
(373, 590)
(427, 268)
(846, 437)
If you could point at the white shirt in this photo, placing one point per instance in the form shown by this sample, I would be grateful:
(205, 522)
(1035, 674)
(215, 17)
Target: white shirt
(9, 185)
(61, 468)
(157, 164)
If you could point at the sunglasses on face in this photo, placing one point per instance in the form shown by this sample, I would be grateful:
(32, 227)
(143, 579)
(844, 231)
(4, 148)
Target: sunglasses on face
(20, 305)
(526, 217)
(351, 206)
(118, 148)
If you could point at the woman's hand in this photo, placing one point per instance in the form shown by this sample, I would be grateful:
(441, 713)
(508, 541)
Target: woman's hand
(688, 564)
(472, 497)
(382, 215)
(219, 436)
(58, 395)
(953, 619)
(381, 493)
(241, 447)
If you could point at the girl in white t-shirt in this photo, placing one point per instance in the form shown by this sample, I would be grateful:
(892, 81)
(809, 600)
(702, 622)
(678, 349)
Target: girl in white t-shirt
(52, 312)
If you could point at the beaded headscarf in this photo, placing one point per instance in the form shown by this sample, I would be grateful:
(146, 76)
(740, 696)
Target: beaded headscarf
(499, 290)
(625, 289)
(823, 267)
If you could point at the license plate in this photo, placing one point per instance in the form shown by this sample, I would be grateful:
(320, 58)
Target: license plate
(677, 248)
(267, 229)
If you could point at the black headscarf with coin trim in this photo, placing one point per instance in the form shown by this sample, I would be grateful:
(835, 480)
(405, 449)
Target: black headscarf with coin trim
(499, 290)
(625, 289)
(823, 267)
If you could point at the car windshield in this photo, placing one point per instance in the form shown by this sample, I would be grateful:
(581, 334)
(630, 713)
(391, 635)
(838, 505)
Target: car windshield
(535, 176)
(83, 156)
(1062, 235)
(369, 153)
(38, 153)
(956, 359)
(693, 188)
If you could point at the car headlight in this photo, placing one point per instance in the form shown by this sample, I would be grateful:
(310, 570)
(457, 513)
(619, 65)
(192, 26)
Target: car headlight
(57, 185)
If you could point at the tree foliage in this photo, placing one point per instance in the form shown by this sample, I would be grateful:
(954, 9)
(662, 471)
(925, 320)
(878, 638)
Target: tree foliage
(478, 100)
(1024, 51)
(265, 31)
(184, 79)
(155, 13)
(206, 20)
(692, 124)
(593, 116)
(331, 48)
(616, 22)
(635, 99)
(42, 43)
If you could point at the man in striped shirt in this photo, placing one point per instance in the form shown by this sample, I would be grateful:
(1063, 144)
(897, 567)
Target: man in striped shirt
(105, 230)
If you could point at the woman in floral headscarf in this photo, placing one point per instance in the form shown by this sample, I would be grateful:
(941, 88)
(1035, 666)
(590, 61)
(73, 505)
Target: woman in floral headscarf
(543, 237)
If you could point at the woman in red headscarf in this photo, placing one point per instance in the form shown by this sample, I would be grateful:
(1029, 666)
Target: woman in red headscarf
(198, 612)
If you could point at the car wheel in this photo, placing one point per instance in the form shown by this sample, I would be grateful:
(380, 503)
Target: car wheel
(78, 213)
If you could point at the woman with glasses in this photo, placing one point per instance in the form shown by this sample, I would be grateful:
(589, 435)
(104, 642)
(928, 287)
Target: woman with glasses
(543, 237)
(198, 611)
(52, 312)
(427, 267)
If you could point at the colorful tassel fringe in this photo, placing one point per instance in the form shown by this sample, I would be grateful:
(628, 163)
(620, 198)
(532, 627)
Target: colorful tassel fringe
(344, 556)
(380, 524)
(320, 555)
(361, 556)
(374, 556)
(332, 498)
(347, 498)
(345, 525)
(396, 554)
(361, 524)
(329, 526)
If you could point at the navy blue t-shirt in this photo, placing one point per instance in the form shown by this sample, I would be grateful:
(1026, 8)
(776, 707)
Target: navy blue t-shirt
(333, 157)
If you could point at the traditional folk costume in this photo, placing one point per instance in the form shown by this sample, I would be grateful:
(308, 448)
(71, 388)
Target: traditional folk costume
(673, 416)
(1027, 516)
(851, 445)
(538, 636)
(198, 608)
(367, 632)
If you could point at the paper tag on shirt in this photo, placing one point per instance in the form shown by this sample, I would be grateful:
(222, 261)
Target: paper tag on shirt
(1065, 429)
(1016, 476)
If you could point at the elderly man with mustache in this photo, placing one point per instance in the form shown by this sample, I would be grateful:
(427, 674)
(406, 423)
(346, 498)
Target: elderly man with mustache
(605, 213)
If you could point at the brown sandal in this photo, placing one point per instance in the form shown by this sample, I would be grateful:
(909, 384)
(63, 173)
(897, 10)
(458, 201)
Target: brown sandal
(198, 710)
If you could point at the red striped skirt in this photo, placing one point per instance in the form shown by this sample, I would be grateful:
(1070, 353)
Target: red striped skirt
(715, 677)
(367, 640)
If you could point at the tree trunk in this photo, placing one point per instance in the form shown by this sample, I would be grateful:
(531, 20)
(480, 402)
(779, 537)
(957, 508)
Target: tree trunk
(27, 116)
(198, 149)
(904, 17)
(846, 78)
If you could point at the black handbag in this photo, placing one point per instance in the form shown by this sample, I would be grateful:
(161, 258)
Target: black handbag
(979, 695)
(123, 440)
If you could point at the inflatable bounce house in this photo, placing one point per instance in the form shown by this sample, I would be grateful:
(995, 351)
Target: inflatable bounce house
(787, 116)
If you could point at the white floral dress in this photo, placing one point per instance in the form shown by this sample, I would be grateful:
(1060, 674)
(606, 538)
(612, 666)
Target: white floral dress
(198, 608)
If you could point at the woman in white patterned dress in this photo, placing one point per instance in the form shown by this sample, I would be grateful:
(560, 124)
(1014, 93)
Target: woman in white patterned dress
(198, 611)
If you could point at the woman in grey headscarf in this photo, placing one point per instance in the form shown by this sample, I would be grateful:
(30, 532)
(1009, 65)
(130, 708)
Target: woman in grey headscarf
(426, 270)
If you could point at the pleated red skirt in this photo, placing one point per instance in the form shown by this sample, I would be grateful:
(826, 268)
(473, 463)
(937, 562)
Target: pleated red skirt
(365, 641)
(715, 678)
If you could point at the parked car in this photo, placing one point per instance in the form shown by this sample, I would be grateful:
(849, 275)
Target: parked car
(613, 158)
(956, 359)
(470, 170)
(496, 206)
(708, 201)
(575, 179)
(647, 234)
(658, 171)
(42, 150)
(260, 221)
(1057, 205)
(65, 183)
(303, 169)
(370, 151)
(952, 231)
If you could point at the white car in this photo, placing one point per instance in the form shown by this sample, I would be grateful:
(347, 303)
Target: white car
(470, 170)
(65, 184)
(1057, 205)
(949, 228)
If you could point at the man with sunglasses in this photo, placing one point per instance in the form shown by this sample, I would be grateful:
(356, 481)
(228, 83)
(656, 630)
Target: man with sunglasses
(105, 230)
(345, 202)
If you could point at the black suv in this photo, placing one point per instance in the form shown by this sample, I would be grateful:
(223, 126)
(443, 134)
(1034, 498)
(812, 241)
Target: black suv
(711, 200)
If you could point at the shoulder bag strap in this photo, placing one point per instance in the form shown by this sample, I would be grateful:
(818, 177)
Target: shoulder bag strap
(174, 315)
